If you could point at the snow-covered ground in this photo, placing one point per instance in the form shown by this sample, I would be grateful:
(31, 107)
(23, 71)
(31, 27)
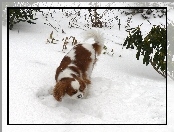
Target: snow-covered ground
(123, 89)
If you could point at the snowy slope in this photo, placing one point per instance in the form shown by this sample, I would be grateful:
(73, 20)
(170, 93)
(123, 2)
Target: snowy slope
(123, 90)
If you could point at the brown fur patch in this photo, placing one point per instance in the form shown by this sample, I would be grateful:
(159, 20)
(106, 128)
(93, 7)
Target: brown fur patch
(97, 48)
(83, 59)
(63, 86)
(75, 69)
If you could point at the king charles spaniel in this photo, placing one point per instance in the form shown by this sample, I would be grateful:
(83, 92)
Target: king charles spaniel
(73, 74)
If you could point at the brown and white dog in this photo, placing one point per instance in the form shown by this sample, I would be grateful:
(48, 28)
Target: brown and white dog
(73, 75)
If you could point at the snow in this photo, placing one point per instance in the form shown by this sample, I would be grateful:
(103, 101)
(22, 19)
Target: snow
(123, 89)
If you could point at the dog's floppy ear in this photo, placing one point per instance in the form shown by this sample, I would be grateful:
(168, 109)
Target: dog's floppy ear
(59, 90)
(87, 81)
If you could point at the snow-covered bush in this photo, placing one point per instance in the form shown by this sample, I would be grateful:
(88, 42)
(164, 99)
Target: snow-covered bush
(152, 47)
(12, 4)
(146, 13)
(17, 15)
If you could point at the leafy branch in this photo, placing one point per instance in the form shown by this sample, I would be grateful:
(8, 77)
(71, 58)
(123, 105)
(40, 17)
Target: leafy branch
(152, 47)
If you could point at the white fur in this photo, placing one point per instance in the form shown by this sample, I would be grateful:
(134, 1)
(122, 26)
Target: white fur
(71, 54)
(97, 35)
(72, 65)
(75, 96)
(65, 73)
(75, 84)
(88, 47)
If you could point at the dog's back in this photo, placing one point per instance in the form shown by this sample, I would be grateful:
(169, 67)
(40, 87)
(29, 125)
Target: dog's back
(83, 56)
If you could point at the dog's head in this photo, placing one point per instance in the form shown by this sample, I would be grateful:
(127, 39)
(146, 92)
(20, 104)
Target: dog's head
(73, 87)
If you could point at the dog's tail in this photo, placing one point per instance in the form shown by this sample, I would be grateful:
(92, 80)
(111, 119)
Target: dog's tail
(97, 35)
